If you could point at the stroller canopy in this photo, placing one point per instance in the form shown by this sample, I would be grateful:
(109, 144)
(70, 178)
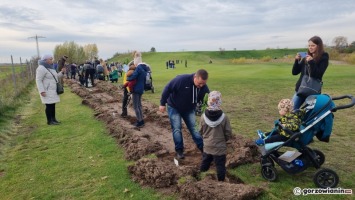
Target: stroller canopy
(318, 120)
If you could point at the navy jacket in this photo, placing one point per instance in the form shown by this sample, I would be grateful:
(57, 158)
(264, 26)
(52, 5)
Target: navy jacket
(181, 93)
(139, 74)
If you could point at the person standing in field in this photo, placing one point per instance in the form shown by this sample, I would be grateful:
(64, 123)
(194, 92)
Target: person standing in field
(181, 95)
(125, 91)
(139, 74)
(314, 65)
(61, 63)
(216, 130)
(46, 81)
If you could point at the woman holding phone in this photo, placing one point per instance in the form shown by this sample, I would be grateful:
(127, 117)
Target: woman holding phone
(314, 64)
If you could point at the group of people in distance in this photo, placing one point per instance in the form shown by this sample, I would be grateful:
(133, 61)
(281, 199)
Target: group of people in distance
(179, 99)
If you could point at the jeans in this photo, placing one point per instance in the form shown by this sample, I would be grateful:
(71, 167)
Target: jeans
(297, 101)
(190, 120)
(137, 105)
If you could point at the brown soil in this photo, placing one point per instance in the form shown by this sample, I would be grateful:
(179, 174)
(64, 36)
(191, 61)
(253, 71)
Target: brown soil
(152, 149)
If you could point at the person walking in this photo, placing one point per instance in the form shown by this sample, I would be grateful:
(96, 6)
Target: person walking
(314, 65)
(46, 81)
(181, 95)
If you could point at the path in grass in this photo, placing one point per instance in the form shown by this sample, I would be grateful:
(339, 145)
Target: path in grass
(152, 149)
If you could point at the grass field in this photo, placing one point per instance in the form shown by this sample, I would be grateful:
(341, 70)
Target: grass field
(78, 160)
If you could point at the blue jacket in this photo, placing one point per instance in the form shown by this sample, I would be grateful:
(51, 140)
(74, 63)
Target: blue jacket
(182, 94)
(139, 74)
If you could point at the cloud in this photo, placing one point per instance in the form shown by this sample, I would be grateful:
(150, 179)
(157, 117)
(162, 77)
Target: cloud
(118, 26)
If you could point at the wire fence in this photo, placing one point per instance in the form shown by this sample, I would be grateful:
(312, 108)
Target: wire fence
(14, 78)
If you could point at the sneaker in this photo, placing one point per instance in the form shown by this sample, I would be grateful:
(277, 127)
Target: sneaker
(260, 142)
(261, 134)
(139, 124)
(180, 155)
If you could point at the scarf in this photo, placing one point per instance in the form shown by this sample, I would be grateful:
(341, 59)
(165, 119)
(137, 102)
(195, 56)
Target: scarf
(44, 64)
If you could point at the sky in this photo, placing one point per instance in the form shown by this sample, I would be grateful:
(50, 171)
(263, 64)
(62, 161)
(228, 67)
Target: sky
(169, 25)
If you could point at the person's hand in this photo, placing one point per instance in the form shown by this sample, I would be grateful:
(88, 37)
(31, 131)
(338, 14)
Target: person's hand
(298, 56)
(43, 94)
(309, 58)
(162, 109)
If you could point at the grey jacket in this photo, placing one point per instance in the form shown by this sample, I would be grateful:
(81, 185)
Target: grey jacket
(215, 134)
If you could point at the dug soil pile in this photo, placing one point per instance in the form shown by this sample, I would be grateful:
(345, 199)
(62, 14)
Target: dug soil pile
(152, 149)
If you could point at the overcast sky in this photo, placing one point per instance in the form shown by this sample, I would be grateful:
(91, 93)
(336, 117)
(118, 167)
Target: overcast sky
(170, 25)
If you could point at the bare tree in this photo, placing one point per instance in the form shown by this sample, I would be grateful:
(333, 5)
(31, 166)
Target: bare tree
(340, 42)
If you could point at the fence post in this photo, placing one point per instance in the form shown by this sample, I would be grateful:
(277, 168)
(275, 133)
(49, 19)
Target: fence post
(13, 75)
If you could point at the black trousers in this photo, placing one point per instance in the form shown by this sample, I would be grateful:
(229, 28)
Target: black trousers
(219, 161)
(50, 112)
(276, 137)
(91, 73)
(125, 100)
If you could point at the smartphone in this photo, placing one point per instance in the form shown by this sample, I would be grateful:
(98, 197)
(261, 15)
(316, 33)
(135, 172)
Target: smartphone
(303, 54)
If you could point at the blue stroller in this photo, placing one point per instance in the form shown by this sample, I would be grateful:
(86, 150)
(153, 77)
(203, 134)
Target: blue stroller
(318, 121)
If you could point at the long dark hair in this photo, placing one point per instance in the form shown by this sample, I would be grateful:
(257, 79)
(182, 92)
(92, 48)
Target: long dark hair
(320, 48)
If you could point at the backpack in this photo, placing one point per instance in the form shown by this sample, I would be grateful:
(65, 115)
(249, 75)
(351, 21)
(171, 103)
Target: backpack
(148, 82)
(100, 69)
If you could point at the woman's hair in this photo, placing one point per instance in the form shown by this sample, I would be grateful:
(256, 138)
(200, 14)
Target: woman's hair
(320, 47)
(137, 58)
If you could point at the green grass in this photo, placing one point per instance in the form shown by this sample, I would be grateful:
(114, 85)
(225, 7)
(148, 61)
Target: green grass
(76, 160)
(6, 70)
(250, 96)
(41, 164)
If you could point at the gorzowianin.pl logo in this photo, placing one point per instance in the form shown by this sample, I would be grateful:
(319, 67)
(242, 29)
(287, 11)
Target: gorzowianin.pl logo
(306, 191)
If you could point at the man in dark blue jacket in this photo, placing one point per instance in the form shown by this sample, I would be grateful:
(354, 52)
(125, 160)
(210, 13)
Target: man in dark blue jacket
(182, 94)
(139, 74)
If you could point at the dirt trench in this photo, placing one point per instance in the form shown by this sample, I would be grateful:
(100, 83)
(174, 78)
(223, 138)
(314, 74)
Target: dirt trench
(152, 149)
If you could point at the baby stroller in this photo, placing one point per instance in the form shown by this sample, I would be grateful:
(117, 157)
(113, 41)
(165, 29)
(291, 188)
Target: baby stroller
(318, 121)
(148, 85)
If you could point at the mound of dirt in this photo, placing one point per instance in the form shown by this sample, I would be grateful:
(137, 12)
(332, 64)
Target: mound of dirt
(152, 148)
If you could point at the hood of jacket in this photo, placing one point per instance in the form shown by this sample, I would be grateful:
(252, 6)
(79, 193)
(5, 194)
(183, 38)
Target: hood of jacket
(213, 118)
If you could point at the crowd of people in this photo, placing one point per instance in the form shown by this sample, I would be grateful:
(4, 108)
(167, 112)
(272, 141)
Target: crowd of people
(89, 71)
(179, 98)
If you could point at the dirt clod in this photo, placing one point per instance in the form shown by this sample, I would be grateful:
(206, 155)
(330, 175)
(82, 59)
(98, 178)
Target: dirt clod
(152, 149)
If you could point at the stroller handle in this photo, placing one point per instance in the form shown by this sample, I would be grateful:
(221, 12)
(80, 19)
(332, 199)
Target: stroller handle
(346, 105)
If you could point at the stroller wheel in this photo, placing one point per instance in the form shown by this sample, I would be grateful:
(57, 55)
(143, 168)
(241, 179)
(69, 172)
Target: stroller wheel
(269, 173)
(320, 158)
(325, 178)
(267, 161)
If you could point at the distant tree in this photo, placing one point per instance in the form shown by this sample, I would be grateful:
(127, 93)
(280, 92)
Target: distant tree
(350, 48)
(221, 50)
(152, 49)
(340, 42)
(74, 51)
(91, 51)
